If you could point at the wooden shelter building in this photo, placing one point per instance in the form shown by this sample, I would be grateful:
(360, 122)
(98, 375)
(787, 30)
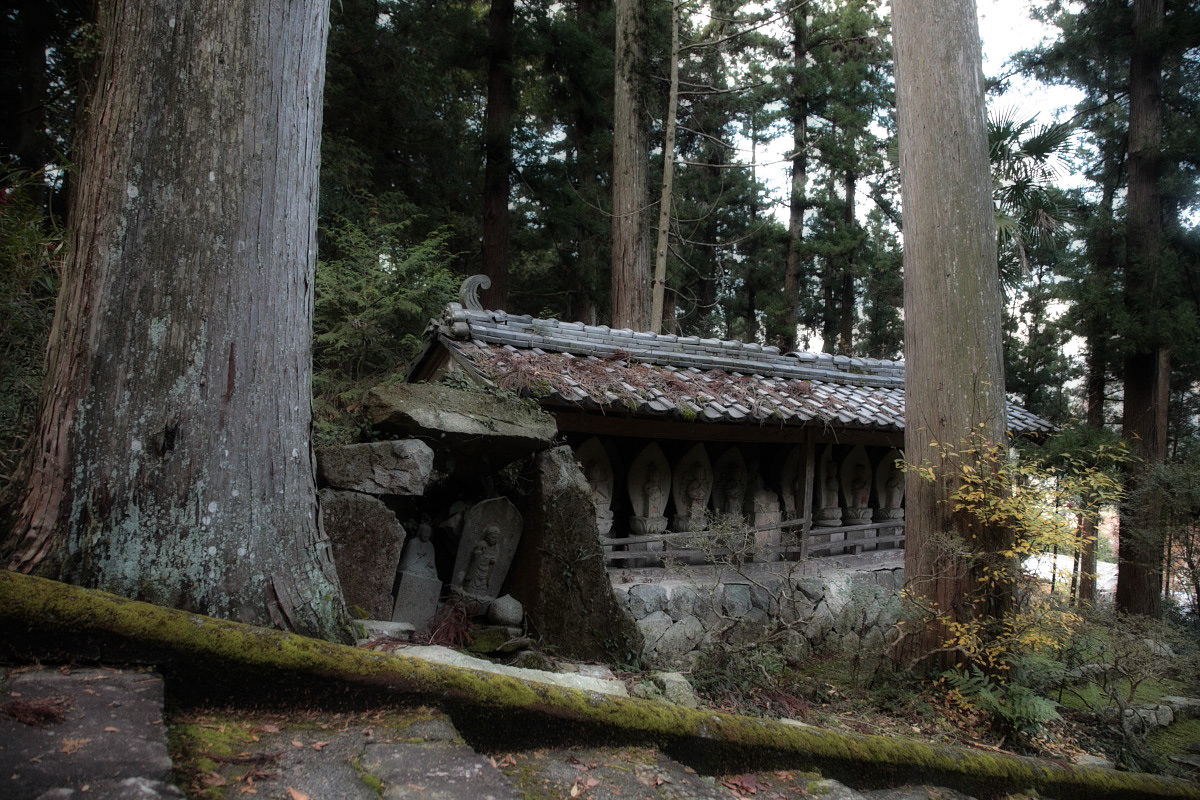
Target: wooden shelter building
(692, 444)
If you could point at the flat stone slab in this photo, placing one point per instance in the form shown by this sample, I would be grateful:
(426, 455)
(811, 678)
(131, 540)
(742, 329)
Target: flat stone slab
(470, 432)
(396, 468)
(111, 739)
(436, 771)
(569, 680)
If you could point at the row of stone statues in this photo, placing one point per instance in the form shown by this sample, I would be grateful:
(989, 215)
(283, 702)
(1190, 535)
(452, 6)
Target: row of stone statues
(846, 492)
(489, 534)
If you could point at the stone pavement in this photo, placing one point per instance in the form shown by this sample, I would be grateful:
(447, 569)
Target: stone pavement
(99, 734)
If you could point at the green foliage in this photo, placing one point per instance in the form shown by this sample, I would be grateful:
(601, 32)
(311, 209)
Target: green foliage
(1014, 706)
(373, 299)
(1010, 656)
(30, 260)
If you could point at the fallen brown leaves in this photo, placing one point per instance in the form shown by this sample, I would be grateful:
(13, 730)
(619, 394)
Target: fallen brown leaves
(39, 711)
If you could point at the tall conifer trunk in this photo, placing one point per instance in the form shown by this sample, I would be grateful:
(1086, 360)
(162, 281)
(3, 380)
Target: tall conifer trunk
(1147, 365)
(798, 114)
(497, 144)
(173, 462)
(630, 244)
(954, 378)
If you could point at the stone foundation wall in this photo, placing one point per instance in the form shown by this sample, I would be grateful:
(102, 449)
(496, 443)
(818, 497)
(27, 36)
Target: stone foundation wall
(829, 606)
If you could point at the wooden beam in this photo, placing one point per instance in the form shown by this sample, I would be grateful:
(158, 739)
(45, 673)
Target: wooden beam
(595, 422)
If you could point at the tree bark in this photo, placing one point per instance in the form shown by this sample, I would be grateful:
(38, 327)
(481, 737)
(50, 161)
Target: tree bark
(173, 460)
(497, 143)
(846, 300)
(630, 250)
(798, 112)
(954, 379)
(664, 201)
(1146, 374)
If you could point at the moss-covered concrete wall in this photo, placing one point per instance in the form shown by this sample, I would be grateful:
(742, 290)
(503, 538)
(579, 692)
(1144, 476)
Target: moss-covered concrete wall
(43, 618)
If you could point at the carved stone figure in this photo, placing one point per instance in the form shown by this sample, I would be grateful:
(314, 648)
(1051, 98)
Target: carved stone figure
(828, 514)
(483, 562)
(856, 487)
(491, 531)
(419, 585)
(729, 494)
(418, 556)
(599, 473)
(791, 479)
(648, 484)
(691, 489)
(766, 514)
(889, 486)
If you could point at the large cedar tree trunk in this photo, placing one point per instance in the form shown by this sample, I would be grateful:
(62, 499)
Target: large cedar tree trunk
(954, 380)
(630, 243)
(173, 461)
(497, 152)
(1146, 368)
(798, 112)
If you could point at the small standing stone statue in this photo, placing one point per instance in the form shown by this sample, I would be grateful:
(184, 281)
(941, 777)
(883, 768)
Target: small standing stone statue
(491, 532)
(889, 483)
(829, 514)
(483, 561)
(419, 586)
(648, 482)
(597, 469)
(418, 556)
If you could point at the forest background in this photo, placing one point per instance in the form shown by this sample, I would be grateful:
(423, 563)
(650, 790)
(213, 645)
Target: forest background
(466, 137)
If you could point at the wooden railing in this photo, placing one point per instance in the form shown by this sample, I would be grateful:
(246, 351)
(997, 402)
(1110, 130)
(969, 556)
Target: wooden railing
(707, 544)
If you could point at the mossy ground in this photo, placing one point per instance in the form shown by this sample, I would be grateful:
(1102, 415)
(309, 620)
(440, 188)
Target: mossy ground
(223, 753)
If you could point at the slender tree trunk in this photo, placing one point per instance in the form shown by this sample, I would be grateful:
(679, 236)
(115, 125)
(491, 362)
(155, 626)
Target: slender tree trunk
(668, 181)
(588, 116)
(1146, 373)
(954, 379)
(630, 254)
(846, 304)
(497, 144)
(798, 113)
(173, 462)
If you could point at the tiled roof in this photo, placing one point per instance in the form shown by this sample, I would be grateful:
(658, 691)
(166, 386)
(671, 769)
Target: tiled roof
(682, 377)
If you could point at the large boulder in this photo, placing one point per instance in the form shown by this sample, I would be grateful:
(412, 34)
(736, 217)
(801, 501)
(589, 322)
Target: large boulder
(400, 468)
(367, 539)
(471, 433)
(559, 571)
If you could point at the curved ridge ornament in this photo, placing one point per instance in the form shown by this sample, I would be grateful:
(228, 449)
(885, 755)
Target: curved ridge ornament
(468, 293)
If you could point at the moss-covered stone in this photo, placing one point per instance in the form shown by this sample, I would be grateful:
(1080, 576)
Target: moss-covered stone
(559, 572)
(47, 618)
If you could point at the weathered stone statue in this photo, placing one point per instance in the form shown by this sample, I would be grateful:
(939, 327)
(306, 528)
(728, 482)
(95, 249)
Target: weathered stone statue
(420, 587)
(691, 490)
(889, 487)
(491, 531)
(599, 473)
(856, 486)
(792, 479)
(730, 490)
(766, 513)
(483, 562)
(828, 513)
(648, 484)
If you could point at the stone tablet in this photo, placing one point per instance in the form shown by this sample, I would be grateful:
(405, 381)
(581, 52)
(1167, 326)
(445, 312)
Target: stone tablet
(599, 473)
(491, 531)
(729, 489)
(691, 489)
(419, 586)
(366, 539)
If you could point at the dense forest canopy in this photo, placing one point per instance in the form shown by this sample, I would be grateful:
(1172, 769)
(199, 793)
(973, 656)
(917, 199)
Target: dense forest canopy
(436, 112)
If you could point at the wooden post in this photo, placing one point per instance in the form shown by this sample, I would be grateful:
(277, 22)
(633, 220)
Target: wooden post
(807, 511)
